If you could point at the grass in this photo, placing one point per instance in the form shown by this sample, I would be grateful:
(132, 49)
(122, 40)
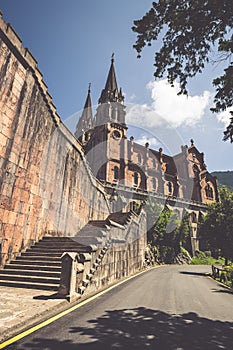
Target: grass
(207, 260)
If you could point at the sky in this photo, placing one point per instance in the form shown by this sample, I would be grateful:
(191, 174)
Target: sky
(73, 41)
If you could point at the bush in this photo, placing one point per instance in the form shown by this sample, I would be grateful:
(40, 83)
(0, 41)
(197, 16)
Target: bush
(204, 258)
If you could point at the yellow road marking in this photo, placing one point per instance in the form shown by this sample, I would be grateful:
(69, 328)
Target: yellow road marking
(63, 313)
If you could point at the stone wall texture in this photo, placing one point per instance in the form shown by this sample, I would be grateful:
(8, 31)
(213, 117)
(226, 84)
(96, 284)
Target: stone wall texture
(125, 254)
(46, 186)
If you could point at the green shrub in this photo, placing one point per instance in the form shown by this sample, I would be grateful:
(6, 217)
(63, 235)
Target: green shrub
(204, 258)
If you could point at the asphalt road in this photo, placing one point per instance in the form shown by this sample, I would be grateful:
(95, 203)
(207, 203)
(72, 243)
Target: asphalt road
(168, 308)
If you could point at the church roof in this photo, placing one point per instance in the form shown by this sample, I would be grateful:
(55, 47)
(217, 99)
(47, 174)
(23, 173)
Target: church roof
(86, 121)
(111, 83)
(110, 93)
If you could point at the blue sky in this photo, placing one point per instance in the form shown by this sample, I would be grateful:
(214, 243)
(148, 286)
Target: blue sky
(73, 41)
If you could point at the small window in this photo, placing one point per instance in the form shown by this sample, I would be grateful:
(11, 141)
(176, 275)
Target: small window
(209, 192)
(135, 179)
(169, 187)
(154, 163)
(154, 184)
(194, 217)
(116, 173)
(196, 170)
(139, 158)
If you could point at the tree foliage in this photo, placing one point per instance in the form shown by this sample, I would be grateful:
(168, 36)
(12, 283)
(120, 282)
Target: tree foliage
(166, 231)
(190, 29)
(216, 228)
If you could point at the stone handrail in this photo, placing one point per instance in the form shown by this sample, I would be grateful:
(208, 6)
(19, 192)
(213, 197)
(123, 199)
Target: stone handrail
(142, 192)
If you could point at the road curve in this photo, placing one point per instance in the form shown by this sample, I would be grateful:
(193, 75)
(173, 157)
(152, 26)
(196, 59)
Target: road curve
(168, 308)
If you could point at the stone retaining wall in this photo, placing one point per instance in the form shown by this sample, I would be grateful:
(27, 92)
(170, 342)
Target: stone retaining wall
(45, 182)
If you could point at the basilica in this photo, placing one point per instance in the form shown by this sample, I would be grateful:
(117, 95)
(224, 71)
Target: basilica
(117, 160)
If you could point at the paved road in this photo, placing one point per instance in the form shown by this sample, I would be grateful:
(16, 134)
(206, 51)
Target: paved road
(169, 308)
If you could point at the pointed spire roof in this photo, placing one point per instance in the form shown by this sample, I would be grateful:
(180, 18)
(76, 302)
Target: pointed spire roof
(86, 121)
(88, 100)
(111, 83)
(110, 93)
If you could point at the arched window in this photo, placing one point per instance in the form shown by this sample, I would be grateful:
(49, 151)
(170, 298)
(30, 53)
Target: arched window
(154, 184)
(169, 187)
(139, 158)
(116, 173)
(154, 163)
(196, 170)
(194, 217)
(209, 192)
(135, 179)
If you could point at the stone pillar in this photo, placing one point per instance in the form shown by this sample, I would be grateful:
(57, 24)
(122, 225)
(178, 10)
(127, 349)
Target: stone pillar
(68, 275)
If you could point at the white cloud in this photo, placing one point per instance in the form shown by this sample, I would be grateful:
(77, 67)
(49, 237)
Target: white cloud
(224, 117)
(167, 108)
(153, 142)
(132, 97)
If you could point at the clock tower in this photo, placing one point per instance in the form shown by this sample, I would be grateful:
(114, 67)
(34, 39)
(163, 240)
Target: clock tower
(105, 143)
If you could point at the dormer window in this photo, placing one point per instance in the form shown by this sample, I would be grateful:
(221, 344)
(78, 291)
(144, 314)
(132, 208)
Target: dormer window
(209, 192)
(196, 170)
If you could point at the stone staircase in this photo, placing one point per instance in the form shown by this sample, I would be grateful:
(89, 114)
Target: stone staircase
(40, 266)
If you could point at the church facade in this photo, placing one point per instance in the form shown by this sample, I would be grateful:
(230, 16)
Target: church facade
(118, 160)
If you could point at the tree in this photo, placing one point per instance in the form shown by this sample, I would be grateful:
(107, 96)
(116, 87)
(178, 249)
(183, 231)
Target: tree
(216, 228)
(166, 231)
(190, 29)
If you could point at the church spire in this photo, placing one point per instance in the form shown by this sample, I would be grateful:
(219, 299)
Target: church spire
(86, 121)
(110, 93)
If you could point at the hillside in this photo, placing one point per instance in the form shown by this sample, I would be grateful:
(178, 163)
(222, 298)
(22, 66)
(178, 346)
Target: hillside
(225, 178)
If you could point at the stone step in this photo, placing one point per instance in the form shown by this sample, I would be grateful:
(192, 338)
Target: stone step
(36, 262)
(91, 240)
(32, 278)
(30, 285)
(33, 267)
(39, 258)
(27, 272)
(44, 253)
(62, 249)
(57, 239)
(58, 243)
(91, 233)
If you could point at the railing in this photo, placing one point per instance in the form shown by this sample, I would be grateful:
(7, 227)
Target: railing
(224, 275)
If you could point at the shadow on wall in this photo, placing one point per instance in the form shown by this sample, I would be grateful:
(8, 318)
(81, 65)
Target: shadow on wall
(142, 328)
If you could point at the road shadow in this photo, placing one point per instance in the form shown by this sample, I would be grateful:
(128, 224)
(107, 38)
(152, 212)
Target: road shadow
(223, 290)
(192, 273)
(140, 328)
